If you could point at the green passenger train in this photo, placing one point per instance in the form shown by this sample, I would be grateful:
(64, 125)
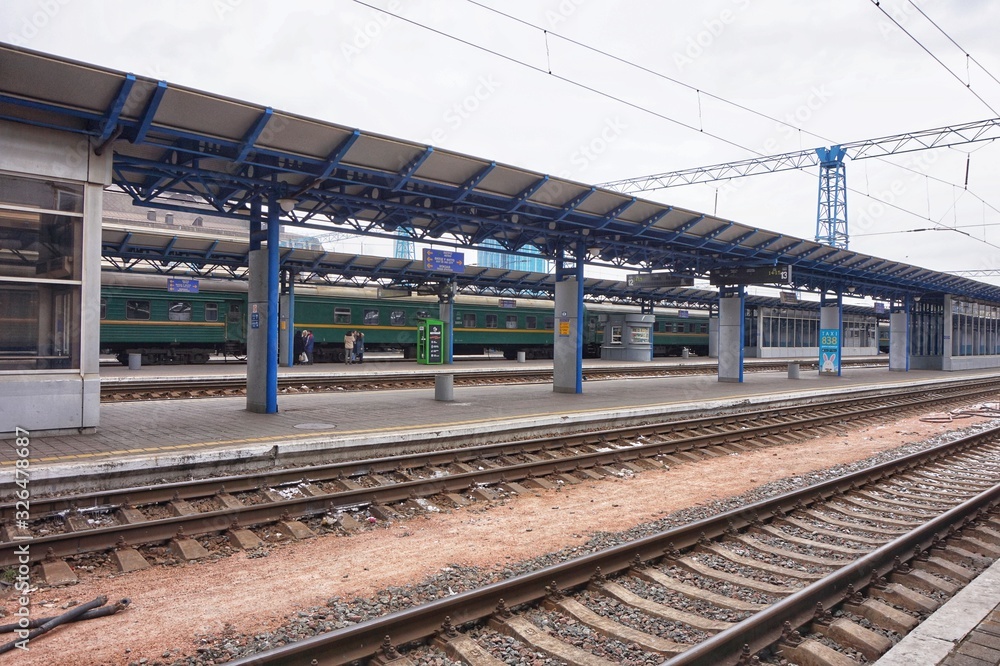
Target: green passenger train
(139, 316)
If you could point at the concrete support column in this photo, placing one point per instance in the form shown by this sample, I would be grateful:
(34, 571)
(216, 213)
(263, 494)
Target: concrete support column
(286, 329)
(567, 358)
(445, 314)
(830, 345)
(899, 343)
(953, 340)
(257, 326)
(713, 336)
(731, 301)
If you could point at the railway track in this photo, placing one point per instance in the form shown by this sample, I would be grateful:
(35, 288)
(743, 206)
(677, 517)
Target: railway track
(339, 496)
(162, 388)
(832, 574)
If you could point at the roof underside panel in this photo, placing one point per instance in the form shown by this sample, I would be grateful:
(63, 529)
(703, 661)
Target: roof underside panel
(169, 139)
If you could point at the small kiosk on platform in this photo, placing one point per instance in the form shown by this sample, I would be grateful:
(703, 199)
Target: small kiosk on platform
(430, 342)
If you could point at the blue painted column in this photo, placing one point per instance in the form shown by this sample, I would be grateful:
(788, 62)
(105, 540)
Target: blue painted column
(273, 258)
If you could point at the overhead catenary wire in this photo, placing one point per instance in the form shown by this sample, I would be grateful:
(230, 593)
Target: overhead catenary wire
(931, 54)
(699, 92)
(968, 56)
(620, 100)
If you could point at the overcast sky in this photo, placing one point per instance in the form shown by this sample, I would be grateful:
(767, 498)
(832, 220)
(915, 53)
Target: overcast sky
(533, 91)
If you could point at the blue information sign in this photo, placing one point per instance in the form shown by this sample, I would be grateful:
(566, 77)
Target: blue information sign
(182, 285)
(829, 351)
(444, 260)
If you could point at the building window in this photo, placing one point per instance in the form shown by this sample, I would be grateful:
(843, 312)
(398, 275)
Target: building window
(137, 310)
(342, 315)
(211, 312)
(179, 311)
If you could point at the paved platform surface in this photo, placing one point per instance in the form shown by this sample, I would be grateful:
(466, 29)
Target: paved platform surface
(152, 430)
(963, 632)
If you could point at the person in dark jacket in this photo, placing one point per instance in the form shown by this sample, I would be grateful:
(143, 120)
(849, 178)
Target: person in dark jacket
(359, 347)
(307, 346)
(297, 347)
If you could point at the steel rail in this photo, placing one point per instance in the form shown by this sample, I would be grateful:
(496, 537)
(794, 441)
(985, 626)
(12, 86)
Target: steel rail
(342, 646)
(158, 530)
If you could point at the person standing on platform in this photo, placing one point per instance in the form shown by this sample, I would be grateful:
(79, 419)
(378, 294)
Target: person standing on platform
(298, 347)
(307, 346)
(359, 347)
(349, 347)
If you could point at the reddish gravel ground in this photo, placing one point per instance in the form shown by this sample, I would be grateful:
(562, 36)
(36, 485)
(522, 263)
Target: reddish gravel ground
(174, 605)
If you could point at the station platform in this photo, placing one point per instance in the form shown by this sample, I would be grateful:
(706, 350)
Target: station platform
(157, 434)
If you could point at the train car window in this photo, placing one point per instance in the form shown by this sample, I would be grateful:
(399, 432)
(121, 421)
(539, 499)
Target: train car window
(549, 323)
(530, 321)
(104, 308)
(342, 315)
(137, 309)
(397, 317)
(370, 317)
(703, 328)
(179, 311)
(211, 312)
(491, 321)
(469, 320)
(424, 314)
(511, 321)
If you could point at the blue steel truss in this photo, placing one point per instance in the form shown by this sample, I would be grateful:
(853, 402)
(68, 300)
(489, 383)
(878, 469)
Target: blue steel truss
(831, 220)
(227, 157)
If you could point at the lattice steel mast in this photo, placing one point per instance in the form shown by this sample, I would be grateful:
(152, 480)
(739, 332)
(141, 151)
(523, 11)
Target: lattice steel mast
(831, 219)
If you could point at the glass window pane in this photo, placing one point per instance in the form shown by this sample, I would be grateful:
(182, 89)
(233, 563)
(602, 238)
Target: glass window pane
(46, 194)
(469, 320)
(371, 317)
(211, 312)
(40, 328)
(491, 321)
(137, 310)
(39, 245)
(511, 321)
(530, 321)
(397, 318)
(342, 315)
(179, 311)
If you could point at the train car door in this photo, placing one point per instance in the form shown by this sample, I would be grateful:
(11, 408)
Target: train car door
(235, 323)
